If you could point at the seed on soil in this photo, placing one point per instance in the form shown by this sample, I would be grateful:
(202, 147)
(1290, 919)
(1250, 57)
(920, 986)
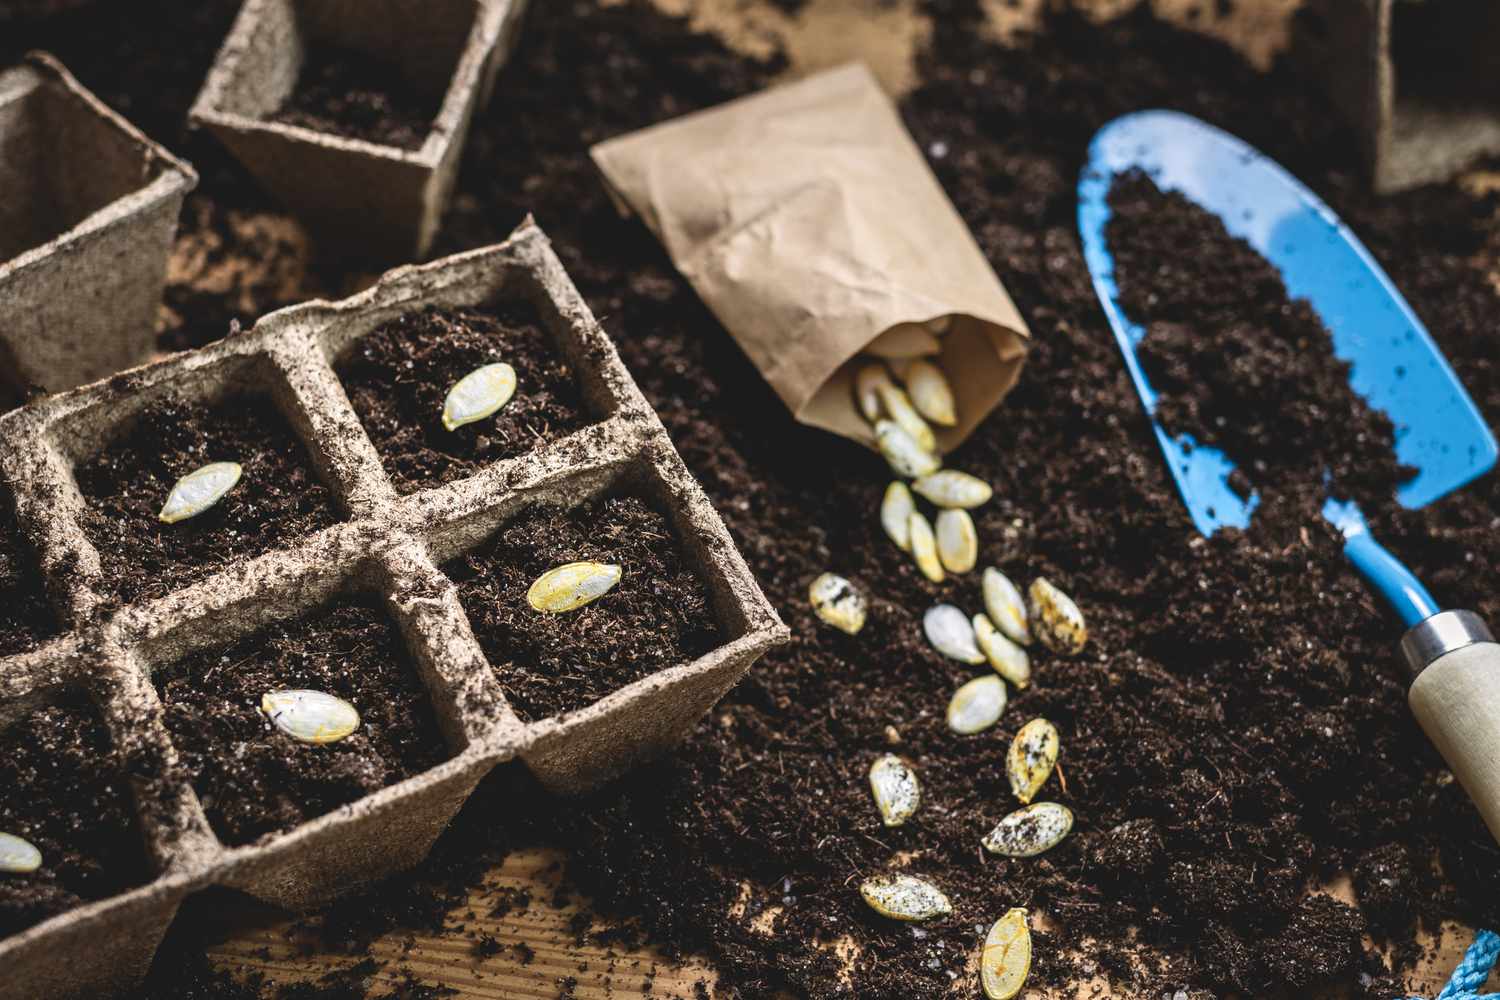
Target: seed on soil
(1002, 602)
(1033, 754)
(18, 857)
(867, 383)
(895, 514)
(837, 602)
(1009, 660)
(949, 631)
(199, 490)
(479, 394)
(897, 791)
(1005, 961)
(924, 547)
(976, 706)
(904, 897)
(572, 585)
(904, 340)
(1028, 832)
(951, 489)
(957, 541)
(310, 716)
(930, 392)
(1056, 619)
(907, 458)
(898, 407)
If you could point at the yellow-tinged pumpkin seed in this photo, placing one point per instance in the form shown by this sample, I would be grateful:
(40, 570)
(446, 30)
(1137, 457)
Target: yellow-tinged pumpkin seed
(904, 340)
(930, 392)
(976, 706)
(1055, 619)
(837, 602)
(1005, 961)
(1002, 602)
(950, 633)
(310, 716)
(951, 488)
(906, 457)
(957, 541)
(1033, 754)
(479, 394)
(924, 547)
(199, 490)
(1028, 832)
(1009, 660)
(899, 408)
(572, 585)
(897, 791)
(17, 856)
(867, 383)
(904, 897)
(895, 514)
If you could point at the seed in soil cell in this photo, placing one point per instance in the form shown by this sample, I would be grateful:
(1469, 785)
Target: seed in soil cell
(479, 394)
(957, 541)
(1033, 754)
(1002, 602)
(924, 547)
(949, 631)
(867, 383)
(900, 409)
(1006, 959)
(18, 857)
(837, 602)
(977, 705)
(572, 585)
(1009, 660)
(930, 392)
(904, 897)
(1028, 832)
(951, 488)
(897, 791)
(906, 457)
(904, 340)
(895, 514)
(1056, 619)
(199, 490)
(310, 716)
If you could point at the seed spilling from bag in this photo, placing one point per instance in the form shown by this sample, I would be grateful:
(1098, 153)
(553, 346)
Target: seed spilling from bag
(199, 490)
(951, 488)
(924, 547)
(835, 600)
(1002, 602)
(906, 457)
(976, 706)
(957, 541)
(1009, 660)
(1056, 619)
(1028, 832)
(867, 383)
(904, 897)
(310, 716)
(951, 634)
(895, 514)
(572, 585)
(930, 392)
(17, 856)
(904, 340)
(898, 407)
(479, 394)
(1005, 961)
(897, 791)
(1033, 754)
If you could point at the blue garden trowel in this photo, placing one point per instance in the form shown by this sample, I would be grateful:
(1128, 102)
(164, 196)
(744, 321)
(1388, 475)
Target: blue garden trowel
(1454, 660)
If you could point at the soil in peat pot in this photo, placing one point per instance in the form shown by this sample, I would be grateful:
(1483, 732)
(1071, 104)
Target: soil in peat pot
(25, 616)
(398, 376)
(252, 778)
(358, 96)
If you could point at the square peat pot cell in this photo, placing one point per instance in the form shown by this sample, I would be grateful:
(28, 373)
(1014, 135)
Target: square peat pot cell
(354, 114)
(86, 222)
(26, 617)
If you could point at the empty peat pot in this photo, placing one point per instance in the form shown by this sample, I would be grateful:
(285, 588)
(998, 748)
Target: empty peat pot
(87, 216)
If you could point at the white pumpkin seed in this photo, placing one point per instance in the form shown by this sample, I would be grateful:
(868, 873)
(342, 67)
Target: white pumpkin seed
(17, 856)
(1005, 961)
(310, 716)
(837, 602)
(895, 514)
(867, 383)
(572, 585)
(899, 408)
(904, 897)
(1033, 755)
(930, 392)
(924, 547)
(479, 394)
(1009, 660)
(906, 457)
(976, 706)
(940, 324)
(950, 633)
(904, 340)
(1002, 601)
(1056, 619)
(957, 541)
(897, 791)
(199, 490)
(951, 488)
(1028, 832)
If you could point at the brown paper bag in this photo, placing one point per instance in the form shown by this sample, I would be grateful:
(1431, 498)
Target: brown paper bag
(808, 221)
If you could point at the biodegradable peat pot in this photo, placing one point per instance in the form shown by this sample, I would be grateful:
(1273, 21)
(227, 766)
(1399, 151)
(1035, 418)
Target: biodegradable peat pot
(388, 547)
(377, 200)
(86, 222)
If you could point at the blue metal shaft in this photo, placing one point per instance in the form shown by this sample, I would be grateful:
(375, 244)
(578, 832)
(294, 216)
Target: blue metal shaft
(1390, 577)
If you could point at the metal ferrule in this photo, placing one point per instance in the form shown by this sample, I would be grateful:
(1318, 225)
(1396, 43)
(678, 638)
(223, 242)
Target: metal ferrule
(1439, 635)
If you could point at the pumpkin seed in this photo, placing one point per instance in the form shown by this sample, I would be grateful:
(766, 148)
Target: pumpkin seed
(1005, 961)
(904, 340)
(897, 791)
(1002, 601)
(895, 514)
(976, 706)
(904, 897)
(950, 633)
(930, 392)
(906, 457)
(924, 547)
(1056, 619)
(1028, 832)
(957, 541)
(1009, 660)
(479, 394)
(951, 488)
(572, 585)
(1033, 754)
(310, 716)
(17, 856)
(867, 383)
(199, 490)
(837, 602)
(899, 408)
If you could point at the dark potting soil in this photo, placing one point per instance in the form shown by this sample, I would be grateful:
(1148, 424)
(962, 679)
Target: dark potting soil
(398, 376)
(25, 615)
(278, 499)
(62, 789)
(350, 93)
(253, 779)
(657, 616)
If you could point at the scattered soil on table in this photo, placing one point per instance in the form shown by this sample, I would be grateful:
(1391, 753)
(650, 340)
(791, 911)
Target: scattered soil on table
(253, 779)
(278, 499)
(25, 615)
(350, 93)
(657, 616)
(398, 376)
(62, 789)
